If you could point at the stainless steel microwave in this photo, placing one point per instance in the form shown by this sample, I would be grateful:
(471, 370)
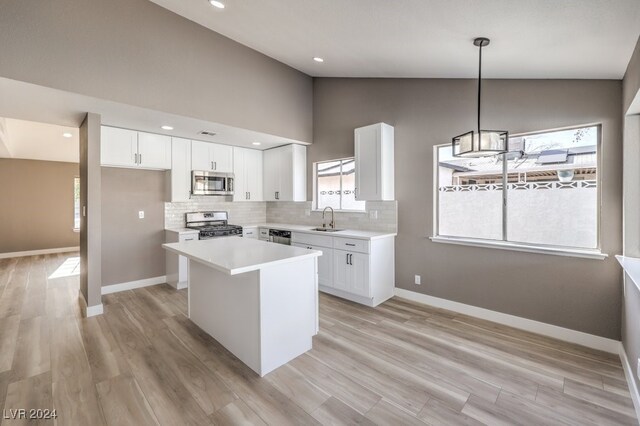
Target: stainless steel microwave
(211, 183)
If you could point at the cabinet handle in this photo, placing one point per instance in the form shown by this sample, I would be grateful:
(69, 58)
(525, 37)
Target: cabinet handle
(135, 158)
(350, 259)
(188, 239)
(249, 194)
(139, 158)
(349, 244)
(212, 165)
(347, 258)
(215, 165)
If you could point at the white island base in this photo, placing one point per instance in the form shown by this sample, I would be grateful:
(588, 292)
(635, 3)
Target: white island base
(262, 317)
(258, 299)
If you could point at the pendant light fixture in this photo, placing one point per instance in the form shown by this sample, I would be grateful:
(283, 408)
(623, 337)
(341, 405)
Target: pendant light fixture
(480, 143)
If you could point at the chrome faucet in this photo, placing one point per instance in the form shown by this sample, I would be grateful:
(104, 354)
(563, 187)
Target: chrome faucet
(332, 224)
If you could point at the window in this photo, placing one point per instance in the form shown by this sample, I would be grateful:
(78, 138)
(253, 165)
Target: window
(543, 192)
(335, 185)
(76, 203)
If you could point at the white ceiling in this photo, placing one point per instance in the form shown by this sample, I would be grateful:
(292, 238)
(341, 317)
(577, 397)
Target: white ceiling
(431, 38)
(31, 102)
(38, 141)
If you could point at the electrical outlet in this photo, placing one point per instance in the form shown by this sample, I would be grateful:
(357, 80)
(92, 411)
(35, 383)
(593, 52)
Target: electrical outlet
(141, 214)
(418, 281)
(307, 212)
(373, 214)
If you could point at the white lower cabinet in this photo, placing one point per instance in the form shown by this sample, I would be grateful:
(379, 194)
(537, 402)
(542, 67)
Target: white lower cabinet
(360, 270)
(325, 263)
(250, 232)
(176, 265)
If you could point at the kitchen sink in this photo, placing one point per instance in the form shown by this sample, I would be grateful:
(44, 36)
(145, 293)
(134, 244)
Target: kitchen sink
(326, 229)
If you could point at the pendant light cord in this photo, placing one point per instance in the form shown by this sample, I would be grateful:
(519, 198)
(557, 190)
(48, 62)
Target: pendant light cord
(479, 86)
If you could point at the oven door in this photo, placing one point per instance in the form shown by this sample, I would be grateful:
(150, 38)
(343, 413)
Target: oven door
(211, 183)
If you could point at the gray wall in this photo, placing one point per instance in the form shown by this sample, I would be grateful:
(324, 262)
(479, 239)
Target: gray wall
(631, 82)
(131, 247)
(37, 205)
(631, 312)
(579, 294)
(138, 53)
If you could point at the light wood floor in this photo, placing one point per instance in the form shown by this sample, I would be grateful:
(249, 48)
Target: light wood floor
(143, 362)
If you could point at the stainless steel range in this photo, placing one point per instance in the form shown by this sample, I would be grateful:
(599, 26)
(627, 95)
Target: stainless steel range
(211, 224)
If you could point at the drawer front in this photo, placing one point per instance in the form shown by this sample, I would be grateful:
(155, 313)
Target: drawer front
(250, 232)
(264, 232)
(312, 239)
(351, 244)
(187, 237)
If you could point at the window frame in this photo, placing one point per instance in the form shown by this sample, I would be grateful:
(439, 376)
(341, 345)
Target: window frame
(76, 179)
(315, 206)
(504, 243)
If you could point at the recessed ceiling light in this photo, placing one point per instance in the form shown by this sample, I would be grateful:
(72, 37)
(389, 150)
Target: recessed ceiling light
(166, 128)
(217, 4)
(318, 59)
(67, 135)
(256, 143)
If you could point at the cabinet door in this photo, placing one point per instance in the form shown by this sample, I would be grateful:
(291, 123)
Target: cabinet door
(341, 270)
(240, 191)
(285, 159)
(180, 169)
(253, 169)
(359, 274)
(200, 156)
(154, 151)
(222, 157)
(367, 161)
(271, 175)
(118, 147)
(325, 264)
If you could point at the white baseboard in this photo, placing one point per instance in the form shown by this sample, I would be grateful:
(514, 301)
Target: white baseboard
(38, 252)
(92, 311)
(628, 372)
(561, 333)
(114, 288)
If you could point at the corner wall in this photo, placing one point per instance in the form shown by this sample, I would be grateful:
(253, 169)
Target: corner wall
(37, 205)
(580, 294)
(631, 302)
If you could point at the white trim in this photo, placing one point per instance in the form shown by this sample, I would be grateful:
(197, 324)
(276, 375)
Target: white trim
(114, 288)
(92, 311)
(37, 252)
(507, 245)
(628, 372)
(561, 333)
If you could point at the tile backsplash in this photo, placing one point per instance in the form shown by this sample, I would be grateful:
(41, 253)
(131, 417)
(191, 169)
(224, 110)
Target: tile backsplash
(240, 213)
(379, 216)
(386, 215)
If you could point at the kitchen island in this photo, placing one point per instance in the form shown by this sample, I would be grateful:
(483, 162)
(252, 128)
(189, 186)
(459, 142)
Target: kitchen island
(259, 300)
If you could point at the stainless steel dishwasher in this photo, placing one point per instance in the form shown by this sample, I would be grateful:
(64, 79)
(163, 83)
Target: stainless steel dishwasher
(280, 237)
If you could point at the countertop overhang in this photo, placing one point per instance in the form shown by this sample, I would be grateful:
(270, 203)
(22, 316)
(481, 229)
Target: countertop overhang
(237, 255)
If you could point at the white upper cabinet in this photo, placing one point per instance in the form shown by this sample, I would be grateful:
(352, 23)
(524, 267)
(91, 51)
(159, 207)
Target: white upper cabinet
(118, 147)
(247, 169)
(285, 173)
(211, 157)
(180, 169)
(128, 148)
(154, 151)
(374, 162)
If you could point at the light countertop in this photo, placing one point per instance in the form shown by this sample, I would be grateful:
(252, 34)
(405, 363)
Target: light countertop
(236, 255)
(631, 266)
(346, 233)
(182, 230)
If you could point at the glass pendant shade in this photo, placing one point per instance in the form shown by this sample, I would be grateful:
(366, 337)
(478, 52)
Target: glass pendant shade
(482, 144)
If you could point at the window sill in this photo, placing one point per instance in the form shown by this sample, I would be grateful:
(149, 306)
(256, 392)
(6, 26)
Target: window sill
(342, 211)
(582, 253)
